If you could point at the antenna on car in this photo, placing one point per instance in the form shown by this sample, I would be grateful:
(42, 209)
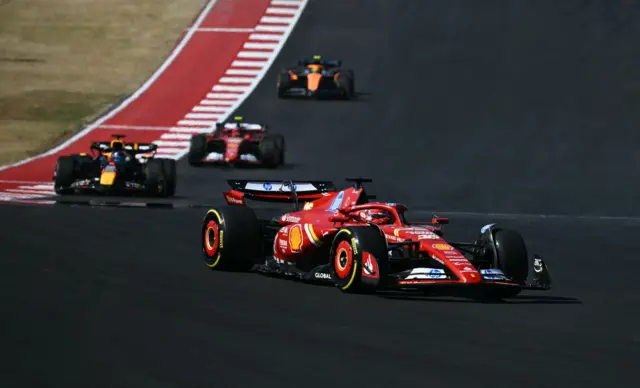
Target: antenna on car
(359, 181)
(358, 185)
(118, 136)
(294, 194)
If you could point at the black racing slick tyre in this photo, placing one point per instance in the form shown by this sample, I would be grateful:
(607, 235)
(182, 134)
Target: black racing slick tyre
(282, 149)
(64, 174)
(511, 255)
(359, 259)
(82, 158)
(284, 81)
(231, 238)
(346, 82)
(272, 151)
(171, 176)
(155, 180)
(84, 165)
(197, 150)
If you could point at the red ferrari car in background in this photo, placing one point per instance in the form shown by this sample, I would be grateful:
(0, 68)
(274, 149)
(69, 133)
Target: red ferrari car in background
(341, 238)
(237, 142)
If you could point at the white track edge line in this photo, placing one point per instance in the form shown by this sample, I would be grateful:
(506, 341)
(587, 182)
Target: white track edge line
(5, 181)
(134, 96)
(221, 29)
(286, 2)
(528, 215)
(265, 68)
(242, 96)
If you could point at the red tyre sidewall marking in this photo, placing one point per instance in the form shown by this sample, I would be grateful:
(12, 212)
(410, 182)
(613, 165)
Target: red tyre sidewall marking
(343, 248)
(211, 248)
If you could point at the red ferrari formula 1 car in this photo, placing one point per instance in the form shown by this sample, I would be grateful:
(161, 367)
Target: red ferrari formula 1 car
(341, 238)
(237, 142)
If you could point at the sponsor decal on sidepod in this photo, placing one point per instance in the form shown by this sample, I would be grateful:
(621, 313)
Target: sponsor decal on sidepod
(295, 238)
(289, 218)
(337, 201)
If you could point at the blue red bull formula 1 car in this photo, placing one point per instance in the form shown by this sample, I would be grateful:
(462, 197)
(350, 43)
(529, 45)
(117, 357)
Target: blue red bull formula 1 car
(116, 168)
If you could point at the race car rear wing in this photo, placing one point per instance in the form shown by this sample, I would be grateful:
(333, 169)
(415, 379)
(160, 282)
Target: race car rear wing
(276, 191)
(142, 148)
(319, 61)
(245, 126)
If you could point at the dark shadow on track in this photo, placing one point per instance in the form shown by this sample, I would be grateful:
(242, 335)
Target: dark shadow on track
(126, 297)
(241, 167)
(525, 299)
(479, 106)
(357, 97)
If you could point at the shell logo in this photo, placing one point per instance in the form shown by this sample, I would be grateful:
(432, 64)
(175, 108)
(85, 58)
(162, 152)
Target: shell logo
(295, 238)
(442, 247)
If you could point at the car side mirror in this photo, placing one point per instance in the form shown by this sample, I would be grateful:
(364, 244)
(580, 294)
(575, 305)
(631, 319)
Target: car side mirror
(439, 221)
(338, 218)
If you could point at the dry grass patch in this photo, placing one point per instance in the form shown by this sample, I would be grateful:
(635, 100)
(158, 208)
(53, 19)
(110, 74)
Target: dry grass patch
(62, 62)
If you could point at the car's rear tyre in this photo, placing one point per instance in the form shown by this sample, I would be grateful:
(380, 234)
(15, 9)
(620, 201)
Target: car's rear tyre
(80, 158)
(346, 82)
(231, 238)
(282, 149)
(272, 151)
(171, 176)
(84, 166)
(283, 84)
(359, 259)
(64, 175)
(197, 150)
(155, 180)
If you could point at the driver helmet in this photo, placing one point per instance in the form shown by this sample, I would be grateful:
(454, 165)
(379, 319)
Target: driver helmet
(377, 216)
(119, 157)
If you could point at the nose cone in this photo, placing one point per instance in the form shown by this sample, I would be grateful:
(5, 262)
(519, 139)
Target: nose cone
(313, 81)
(232, 151)
(453, 259)
(107, 178)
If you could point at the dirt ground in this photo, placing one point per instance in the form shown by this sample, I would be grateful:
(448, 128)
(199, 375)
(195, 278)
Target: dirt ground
(62, 62)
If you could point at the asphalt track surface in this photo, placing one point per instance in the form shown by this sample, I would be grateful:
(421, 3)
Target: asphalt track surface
(517, 107)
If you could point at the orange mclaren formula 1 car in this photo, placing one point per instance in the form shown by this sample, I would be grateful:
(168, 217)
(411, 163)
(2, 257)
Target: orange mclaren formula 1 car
(316, 77)
(237, 142)
(340, 238)
(117, 168)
